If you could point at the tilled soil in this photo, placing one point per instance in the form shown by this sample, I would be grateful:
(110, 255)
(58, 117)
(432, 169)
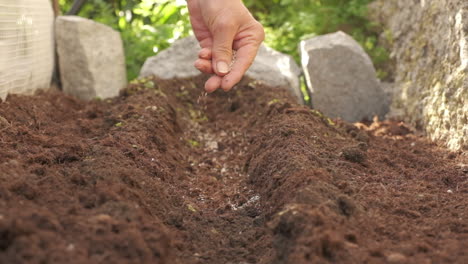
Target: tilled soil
(166, 174)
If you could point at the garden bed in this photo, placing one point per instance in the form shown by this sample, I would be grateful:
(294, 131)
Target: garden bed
(167, 174)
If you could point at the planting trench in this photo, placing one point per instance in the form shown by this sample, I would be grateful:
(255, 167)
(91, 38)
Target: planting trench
(166, 174)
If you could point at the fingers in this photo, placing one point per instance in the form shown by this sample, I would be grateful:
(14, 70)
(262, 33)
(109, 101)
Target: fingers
(223, 37)
(247, 43)
(244, 58)
(205, 54)
(204, 66)
(213, 83)
(217, 58)
(204, 63)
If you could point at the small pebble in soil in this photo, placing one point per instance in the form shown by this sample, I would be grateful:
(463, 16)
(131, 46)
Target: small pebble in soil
(13, 162)
(354, 154)
(212, 145)
(396, 258)
(463, 167)
(3, 122)
(70, 247)
(103, 218)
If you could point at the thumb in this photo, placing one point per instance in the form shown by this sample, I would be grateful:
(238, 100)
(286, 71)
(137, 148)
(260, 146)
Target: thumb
(223, 38)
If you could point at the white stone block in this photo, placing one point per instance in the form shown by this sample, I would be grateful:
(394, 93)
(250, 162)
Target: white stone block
(91, 58)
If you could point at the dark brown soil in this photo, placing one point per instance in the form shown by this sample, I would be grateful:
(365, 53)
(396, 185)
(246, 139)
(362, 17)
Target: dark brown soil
(164, 174)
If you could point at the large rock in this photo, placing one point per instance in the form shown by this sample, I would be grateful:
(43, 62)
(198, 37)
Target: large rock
(429, 42)
(270, 67)
(341, 78)
(174, 62)
(91, 58)
(277, 69)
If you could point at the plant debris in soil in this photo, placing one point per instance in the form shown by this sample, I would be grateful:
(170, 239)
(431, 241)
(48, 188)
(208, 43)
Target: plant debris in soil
(163, 174)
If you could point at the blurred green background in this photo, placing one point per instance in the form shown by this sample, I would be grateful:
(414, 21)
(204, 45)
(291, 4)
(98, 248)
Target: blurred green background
(149, 26)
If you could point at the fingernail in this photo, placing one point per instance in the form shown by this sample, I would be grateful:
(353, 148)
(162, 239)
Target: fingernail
(222, 67)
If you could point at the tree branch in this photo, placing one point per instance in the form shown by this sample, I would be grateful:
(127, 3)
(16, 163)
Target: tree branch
(76, 7)
(56, 7)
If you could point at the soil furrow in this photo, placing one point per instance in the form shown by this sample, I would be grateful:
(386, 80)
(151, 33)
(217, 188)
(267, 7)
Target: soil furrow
(164, 174)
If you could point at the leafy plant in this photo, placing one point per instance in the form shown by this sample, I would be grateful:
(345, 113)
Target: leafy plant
(149, 26)
(287, 22)
(146, 26)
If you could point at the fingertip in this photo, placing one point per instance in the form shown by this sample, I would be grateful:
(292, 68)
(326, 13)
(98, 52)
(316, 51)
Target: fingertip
(203, 66)
(230, 80)
(213, 83)
(205, 53)
(227, 84)
(244, 59)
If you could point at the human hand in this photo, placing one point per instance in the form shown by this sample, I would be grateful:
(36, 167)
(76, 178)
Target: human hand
(220, 27)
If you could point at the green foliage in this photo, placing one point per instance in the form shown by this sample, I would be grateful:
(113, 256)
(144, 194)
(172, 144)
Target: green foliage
(149, 26)
(146, 26)
(286, 22)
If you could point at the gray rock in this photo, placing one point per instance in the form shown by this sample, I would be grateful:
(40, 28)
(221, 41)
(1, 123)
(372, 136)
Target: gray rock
(388, 89)
(276, 69)
(428, 41)
(270, 67)
(174, 62)
(91, 58)
(341, 78)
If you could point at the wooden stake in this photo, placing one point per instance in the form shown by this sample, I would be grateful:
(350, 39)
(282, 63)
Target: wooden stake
(76, 7)
(56, 7)
(56, 74)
